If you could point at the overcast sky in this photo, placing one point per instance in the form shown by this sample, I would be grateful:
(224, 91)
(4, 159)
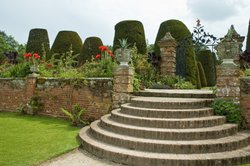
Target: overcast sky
(98, 17)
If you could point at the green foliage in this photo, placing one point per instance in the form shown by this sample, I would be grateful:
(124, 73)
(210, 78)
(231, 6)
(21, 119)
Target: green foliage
(64, 40)
(203, 78)
(208, 62)
(8, 43)
(143, 69)
(247, 72)
(198, 82)
(17, 70)
(89, 49)
(32, 107)
(38, 38)
(228, 108)
(133, 31)
(96, 68)
(136, 83)
(248, 38)
(174, 82)
(185, 53)
(75, 115)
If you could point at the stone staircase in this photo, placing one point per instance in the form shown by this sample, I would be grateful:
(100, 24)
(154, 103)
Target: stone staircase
(167, 127)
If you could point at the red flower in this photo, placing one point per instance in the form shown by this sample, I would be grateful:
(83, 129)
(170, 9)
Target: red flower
(98, 56)
(36, 55)
(27, 55)
(103, 48)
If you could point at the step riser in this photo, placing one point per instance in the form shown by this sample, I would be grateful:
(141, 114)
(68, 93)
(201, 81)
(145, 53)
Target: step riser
(169, 135)
(136, 161)
(166, 114)
(169, 148)
(168, 124)
(174, 95)
(168, 105)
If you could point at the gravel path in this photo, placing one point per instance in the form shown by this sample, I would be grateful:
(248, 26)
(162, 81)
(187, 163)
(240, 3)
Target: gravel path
(78, 157)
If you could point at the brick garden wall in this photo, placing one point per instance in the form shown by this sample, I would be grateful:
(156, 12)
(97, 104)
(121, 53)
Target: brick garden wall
(245, 99)
(95, 95)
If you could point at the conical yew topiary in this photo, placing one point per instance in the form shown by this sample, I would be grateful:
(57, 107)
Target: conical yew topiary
(185, 54)
(37, 41)
(89, 49)
(203, 78)
(133, 31)
(64, 40)
(248, 38)
(208, 62)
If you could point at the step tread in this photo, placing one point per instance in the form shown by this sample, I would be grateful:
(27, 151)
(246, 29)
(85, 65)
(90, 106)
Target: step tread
(167, 99)
(128, 105)
(117, 112)
(106, 119)
(239, 136)
(243, 152)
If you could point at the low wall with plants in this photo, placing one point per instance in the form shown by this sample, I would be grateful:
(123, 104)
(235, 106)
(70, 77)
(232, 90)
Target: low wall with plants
(245, 100)
(48, 96)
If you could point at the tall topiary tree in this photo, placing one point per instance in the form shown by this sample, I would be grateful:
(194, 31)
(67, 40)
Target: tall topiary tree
(185, 54)
(64, 40)
(248, 38)
(38, 38)
(203, 78)
(90, 48)
(134, 32)
(207, 60)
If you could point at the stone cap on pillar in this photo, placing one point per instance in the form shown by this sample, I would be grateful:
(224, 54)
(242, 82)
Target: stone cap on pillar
(167, 41)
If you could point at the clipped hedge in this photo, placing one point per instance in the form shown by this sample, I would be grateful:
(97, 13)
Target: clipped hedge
(133, 31)
(248, 38)
(64, 40)
(207, 60)
(203, 78)
(38, 38)
(185, 54)
(90, 48)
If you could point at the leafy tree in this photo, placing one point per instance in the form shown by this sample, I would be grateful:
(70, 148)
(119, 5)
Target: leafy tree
(7, 44)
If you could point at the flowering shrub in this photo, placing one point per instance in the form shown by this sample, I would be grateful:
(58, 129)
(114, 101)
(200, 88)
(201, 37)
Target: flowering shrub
(33, 58)
(102, 65)
(105, 53)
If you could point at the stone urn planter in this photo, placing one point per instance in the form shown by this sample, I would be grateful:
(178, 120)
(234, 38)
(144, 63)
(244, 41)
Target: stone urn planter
(123, 54)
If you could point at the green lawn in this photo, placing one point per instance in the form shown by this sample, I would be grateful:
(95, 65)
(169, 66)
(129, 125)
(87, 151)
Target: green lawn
(29, 140)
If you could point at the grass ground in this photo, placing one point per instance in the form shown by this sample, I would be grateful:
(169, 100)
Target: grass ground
(30, 140)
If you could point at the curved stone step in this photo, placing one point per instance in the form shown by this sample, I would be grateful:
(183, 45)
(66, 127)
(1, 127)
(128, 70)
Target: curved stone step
(133, 157)
(167, 103)
(166, 113)
(167, 123)
(176, 93)
(169, 146)
(168, 134)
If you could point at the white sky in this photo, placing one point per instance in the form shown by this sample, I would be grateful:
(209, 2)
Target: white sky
(98, 17)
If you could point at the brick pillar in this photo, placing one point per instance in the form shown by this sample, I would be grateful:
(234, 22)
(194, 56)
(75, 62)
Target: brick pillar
(245, 100)
(228, 82)
(30, 87)
(168, 55)
(123, 85)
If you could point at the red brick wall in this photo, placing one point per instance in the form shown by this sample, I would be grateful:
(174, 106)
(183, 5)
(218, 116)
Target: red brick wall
(245, 99)
(95, 96)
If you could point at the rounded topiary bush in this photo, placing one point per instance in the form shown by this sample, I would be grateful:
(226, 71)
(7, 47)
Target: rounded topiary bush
(203, 78)
(38, 38)
(207, 60)
(133, 31)
(90, 48)
(185, 54)
(64, 40)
